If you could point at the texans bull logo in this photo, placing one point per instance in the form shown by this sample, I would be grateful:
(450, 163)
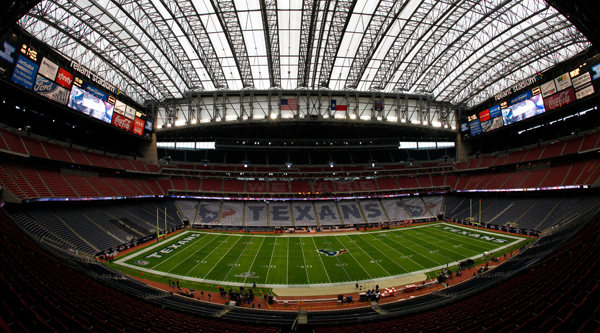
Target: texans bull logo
(330, 253)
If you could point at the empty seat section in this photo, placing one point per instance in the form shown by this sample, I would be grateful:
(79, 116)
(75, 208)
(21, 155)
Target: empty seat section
(395, 209)
(424, 181)
(165, 185)
(416, 207)
(88, 229)
(96, 159)
(193, 184)
(236, 186)
(279, 187)
(463, 182)
(434, 203)
(57, 152)
(7, 179)
(350, 212)
(373, 211)
(515, 179)
(210, 185)
(256, 186)
(112, 162)
(33, 178)
(304, 214)
(589, 142)
(516, 157)
(256, 213)
(473, 163)
(298, 186)
(77, 156)
(437, 181)
(280, 214)
(188, 208)
(552, 150)
(345, 186)
(57, 184)
(451, 181)
(407, 182)
(500, 160)
(534, 178)
(232, 213)
(572, 146)
(208, 212)
(556, 175)
(13, 142)
(102, 187)
(586, 174)
(118, 186)
(487, 161)
(34, 147)
(131, 186)
(323, 186)
(81, 186)
(327, 213)
(498, 181)
(139, 165)
(179, 184)
(574, 172)
(125, 164)
(388, 184)
(153, 186)
(482, 181)
(533, 154)
(52, 222)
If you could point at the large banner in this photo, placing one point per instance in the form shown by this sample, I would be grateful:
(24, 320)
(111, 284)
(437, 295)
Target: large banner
(48, 69)
(51, 90)
(560, 99)
(563, 82)
(523, 110)
(91, 105)
(65, 78)
(138, 126)
(548, 88)
(25, 71)
(122, 122)
(8, 55)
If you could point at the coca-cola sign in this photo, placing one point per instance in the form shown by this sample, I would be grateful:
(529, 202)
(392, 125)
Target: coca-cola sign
(122, 122)
(560, 99)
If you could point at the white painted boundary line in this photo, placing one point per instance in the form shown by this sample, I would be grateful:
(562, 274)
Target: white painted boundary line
(314, 285)
(322, 264)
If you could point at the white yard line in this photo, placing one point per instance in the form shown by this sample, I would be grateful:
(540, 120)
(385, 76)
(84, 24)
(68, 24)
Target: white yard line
(417, 253)
(200, 261)
(225, 255)
(252, 265)
(373, 260)
(303, 258)
(322, 264)
(238, 258)
(361, 266)
(271, 261)
(392, 260)
(434, 245)
(452, 245)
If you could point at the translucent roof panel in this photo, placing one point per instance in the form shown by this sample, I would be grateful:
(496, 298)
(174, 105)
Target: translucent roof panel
(456, 51)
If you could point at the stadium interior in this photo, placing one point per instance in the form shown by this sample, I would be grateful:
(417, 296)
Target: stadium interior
(122, 123)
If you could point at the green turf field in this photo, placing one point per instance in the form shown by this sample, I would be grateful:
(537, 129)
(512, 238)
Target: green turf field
(290, 260)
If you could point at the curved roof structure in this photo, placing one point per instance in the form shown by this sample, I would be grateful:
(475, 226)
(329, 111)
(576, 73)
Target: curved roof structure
(457, 51)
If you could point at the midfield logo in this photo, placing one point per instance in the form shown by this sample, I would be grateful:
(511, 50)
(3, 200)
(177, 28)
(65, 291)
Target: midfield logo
(330, 253)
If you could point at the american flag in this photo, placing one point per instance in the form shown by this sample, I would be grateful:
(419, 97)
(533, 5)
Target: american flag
(290, 104)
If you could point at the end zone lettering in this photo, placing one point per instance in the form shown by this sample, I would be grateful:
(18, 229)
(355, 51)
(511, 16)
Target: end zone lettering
(466, 233)
(172, 247)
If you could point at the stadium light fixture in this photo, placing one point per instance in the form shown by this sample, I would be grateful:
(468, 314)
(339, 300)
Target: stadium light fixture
(288, 164)
(331, 164)
(395, 119)
(273, 116)
(353, 116)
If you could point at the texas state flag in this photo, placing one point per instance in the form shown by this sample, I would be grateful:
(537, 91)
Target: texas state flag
(335, 107)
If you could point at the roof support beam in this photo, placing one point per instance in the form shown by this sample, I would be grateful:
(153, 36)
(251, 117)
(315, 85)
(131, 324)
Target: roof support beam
(268, 9)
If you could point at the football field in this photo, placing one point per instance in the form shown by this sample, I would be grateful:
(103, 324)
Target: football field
(313, 259)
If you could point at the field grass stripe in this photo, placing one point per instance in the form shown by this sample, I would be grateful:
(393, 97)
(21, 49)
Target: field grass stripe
(416, 252)
(225, 255)
(238, 258)
(392, 260)
(253, 260)
(321, 259)
(173, 256)
(361, 266)
(338, 258)
(400, 253)
(431, 251)
(372, 260)
(199, 261)
(304, 259)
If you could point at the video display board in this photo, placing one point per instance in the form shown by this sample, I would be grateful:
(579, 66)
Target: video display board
(87, 103)
(523, 108)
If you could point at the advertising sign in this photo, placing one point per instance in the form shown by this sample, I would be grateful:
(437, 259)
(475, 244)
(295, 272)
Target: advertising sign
(91, 105)
(495, 111)
(464, 127)
(122, 122)
(563, 82)
(596, 71)
(520, 98)
(548, 88)
(523, 110)
(138, 126)
(560, 99)
(8, 55)
(475, 127)
(65, 78)
(48, 69)
(120, 108)
(581, 80)
(148, 125)
(130, 112)
(51, 90)
(25, 71)
(484, 115)
(95, 91)
(584, 92)
(492, 124)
